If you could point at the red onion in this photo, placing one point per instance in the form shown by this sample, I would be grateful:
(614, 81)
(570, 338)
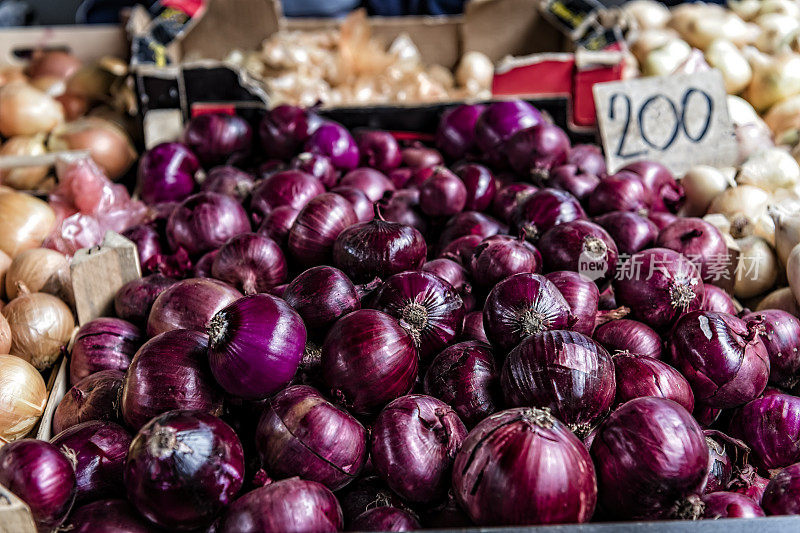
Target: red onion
(229, 180)
(368, 180)
(361, 204)
(202, 269)
(701, 243)
(622, 191)
(427, 307)
(782, 495)
(652, 460)
(501, 120)
(292, 188)
(469, 223)
(333, 140)
(781, 338)
(205, 221)
(107, 516)
(366, 492)
(473, 327)
(270, 167)
(368, 359)
(401, 207)
(169, 372)
(401, 176)
(588, 158)
(316, 227)
(378, 248)
(582, 297)
(419, 157)
(667, 193)
(631, 232)
(378, 149)
(41, 476)
(770, 426)
(580, 246)
(747, 481)
(300, 433)
(523, 305)
(277, 224)
(658, 285)
(449, 271)
(545, 209)
(321, 295)
(639, 376)
(215, 138)
(147, 241)
(285, 128)
(189, 304)
(629, 336)
(316, 165)
(721, 356)
(95, 397)
(480, 185)
(661, 219)
(720, 464)
(716, 299)
(516, 464)
(385, 519)
(499, 257)
(166, 173)
(455, 135)
(465, 377)
(569, 178)
(183, 468)
(99, 450)
(461, 250)
(443, 194)
(250, 262)
(296, 503)
(509, 197)
(565, 371)
(535, 150)
(103, 344)
(255, 345)
(730, 505)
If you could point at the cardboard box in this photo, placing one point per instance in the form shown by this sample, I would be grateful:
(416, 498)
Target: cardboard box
(88, 43)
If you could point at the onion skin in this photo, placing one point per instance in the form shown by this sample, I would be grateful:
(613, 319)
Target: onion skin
(166, 173)
(631, 232)
(405, 427)
(469, 223)
(385, 519)
(215, 138)
(189, 304)
(651, 455)
(462, 249)
(580, 246)
(667, 193)
(544, 209)
(500, 120)
(95, 397)
(523, 305)
(535, 150)
(622, 191)
(770, 426)
(229, 180)
(205, 221)
(639, 376)
(147, 241)
(183, 468)
(24, 397)
(25, 223)
(177, 358)
(480, 185)
(720, 465)
(569, 178)
(530, 441)
(627, 335)
(465, 377)
(40, 270)
(508, 197)
(55, 63)
(378, 149)
(747, 481)
(781, 338)
(256, 344)
(365, 493)
(277, 225)
(721, 356)
(316, 228)
(699, 241)
(730, 505)
(499, 257)
(368, 359)
(781, 494)
(103, 344)
(317, 165)
(109, 145)
(473, 327)
(449, 271)
(581, 295)
(588, 158)
(134, 300)
(321, 295)
(369, 181)
(564, 371)
(716, 299)
(107, 516)
(40, 475)
(443, 194)
(251, 262)
(285, 128)
(291, 505)
(334, 141)
(292, 188)
(455, 135)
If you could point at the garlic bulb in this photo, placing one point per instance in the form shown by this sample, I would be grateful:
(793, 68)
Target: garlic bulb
(720, 222)
(475, 71)
(648, 40)
(746, 9)
(774, 79)
(787, 231)
(24, 178)
(700, 24)
(701, 184)
(777, 31)
(23, 396)
(726, 57)
(743, 206)
(647, 13)
(784, 8)
(784, 120)
(757, 270)
(25, 110)
(770, 170)
(666, 59)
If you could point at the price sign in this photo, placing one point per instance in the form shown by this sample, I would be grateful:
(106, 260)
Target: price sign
(680, 121)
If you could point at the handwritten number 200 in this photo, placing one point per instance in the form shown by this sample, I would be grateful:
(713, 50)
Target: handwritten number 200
(679, 120)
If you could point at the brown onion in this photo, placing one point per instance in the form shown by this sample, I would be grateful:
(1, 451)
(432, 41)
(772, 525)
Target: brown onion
(5, 262)
(23, 396)
(40, 270)
(53, 63)
(29, 178)
(5, 335)
(25, 110)
(95, 397)
(25, 223)
(109, 146)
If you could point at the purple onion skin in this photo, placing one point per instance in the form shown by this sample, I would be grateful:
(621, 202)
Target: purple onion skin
(658, 285)
(378, 248)
(368, 360)
(631, 232)
(706, 416)
(565, 371)
(189, 304)
(716, 299)
(534, 151)
(108, 516)
(419, 157)
(622, 191)
(385, 519)
(505, 475)
(202, 269)
(747, 481)
(166, 173)
(569, 178)
(405, 427)
(651, 456)
(365, 493)
(582, 296)
(698, 240)
(661, 219)
(501, 120)
(720, 465)
(301, 434)
(588, 158)
(465, 377)
(523, 305)
(462, 249)
(365, 210)
(580, 246)
(378, 149)
(99, 449)
(41, 476)
(782, 495)
(508, 197)
(317, 165)
(103, 344)
(277, 225)
(667, 193)
(204, 221)
(455, 135)
(289, 506)
(369, 181)
(316, 228)
(449, 271)
(321, 295)
(721, 356)
(473, 327)
(427, 307)
(256, 344)
(782, 341)
(470, 223)
(284, 129)
(401, 207)
(639, 376)
(251, 262)
(134, 299)
(215, 138)
(627, 335)
(545, 209)
(292, 188)
(147, 241)
(183, 468)
(443, 194)
(334, 141)
(480, 184)
(730, 505)
(770, 426)
(170, 371)
(95, 397)
(229, 180)
(400, 177)
(499, 257)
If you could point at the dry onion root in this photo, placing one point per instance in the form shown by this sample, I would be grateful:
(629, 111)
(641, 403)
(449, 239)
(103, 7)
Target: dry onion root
(23, 396)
